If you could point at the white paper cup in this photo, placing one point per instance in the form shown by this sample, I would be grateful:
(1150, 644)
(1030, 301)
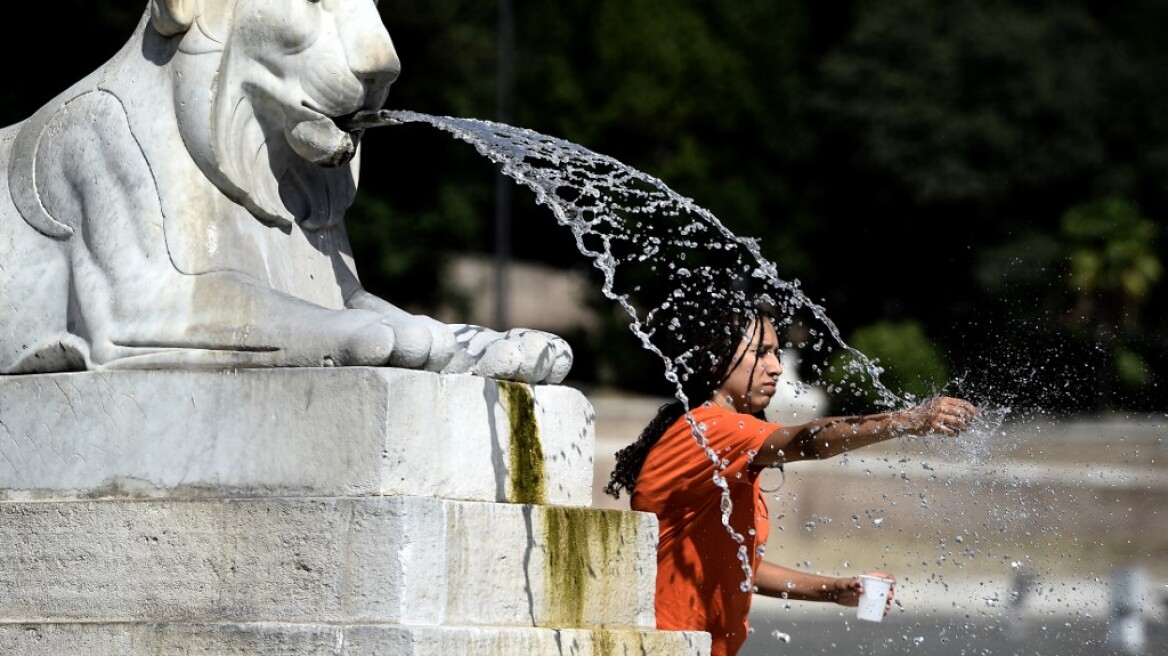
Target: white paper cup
(875, 597)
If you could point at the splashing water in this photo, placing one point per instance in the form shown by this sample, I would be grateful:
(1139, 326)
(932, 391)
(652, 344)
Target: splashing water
(664, 258)
(621, 216)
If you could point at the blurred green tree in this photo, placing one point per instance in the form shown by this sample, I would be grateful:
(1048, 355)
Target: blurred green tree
(898, 364)
(1113, 266)
(974, 125)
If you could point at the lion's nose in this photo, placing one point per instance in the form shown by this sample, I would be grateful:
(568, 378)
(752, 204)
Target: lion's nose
(370, 51)
(377, 64)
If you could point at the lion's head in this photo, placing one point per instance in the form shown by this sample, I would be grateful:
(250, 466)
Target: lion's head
(268, 77)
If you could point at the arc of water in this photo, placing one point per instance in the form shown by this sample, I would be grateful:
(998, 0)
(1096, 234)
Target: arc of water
(586, 192)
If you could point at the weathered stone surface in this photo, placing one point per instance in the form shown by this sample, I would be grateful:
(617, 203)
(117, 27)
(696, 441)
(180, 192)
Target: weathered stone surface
(389, 560)
(141, 639)
(293, 431)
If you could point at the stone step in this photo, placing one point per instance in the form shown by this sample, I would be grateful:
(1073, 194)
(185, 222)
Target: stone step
(140, 639)
(394, 560)
(345, 431)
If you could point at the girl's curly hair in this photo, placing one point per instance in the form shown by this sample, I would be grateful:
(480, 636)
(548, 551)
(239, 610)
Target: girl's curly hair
(700, 338)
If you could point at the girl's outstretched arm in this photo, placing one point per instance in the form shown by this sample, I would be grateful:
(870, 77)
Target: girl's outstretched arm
(831, 436)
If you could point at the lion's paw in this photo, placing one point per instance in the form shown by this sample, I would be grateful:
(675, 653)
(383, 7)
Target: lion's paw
(519, 354)
(420, 342)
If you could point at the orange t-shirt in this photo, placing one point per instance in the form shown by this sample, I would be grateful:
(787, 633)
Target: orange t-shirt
(699, 574)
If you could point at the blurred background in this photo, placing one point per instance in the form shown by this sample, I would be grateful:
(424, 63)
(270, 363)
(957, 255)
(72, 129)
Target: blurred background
(975, 192)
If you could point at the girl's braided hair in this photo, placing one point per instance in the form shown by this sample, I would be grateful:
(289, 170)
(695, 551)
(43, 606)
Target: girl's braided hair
(700, 338)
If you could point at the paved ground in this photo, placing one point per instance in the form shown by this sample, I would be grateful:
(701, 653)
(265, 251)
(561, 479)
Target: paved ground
(1058, 508)
(947, 636)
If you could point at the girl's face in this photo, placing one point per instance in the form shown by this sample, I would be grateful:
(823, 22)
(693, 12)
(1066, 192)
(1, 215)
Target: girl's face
(753, 380)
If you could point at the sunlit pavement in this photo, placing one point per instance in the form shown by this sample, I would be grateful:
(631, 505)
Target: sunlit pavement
(776, 633)
(1059, 618)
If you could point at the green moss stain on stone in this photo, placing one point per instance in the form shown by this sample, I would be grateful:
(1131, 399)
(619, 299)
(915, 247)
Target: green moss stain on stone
(528, 478)
(604, 643)
(567, 565)
(607, 642)
(581, 543)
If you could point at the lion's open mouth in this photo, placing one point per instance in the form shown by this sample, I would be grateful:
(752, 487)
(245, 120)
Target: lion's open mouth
(366, 118)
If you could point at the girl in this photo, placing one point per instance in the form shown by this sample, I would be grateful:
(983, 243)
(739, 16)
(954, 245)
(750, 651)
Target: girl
(731, 376)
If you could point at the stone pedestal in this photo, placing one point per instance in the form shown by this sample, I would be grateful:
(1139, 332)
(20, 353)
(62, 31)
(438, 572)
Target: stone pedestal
(347, 511)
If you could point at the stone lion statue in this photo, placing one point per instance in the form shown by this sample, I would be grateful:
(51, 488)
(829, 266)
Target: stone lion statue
(183, 205)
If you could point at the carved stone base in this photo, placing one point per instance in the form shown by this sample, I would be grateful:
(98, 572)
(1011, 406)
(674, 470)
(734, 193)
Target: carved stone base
(313, 511)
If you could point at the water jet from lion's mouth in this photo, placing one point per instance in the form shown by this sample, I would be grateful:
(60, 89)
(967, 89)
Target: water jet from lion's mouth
(365, 119)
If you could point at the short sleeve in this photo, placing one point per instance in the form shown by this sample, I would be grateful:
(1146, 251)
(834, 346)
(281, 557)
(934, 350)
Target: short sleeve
(736, 438)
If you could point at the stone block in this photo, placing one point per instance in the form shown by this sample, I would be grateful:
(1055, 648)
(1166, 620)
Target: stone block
(344, 431)
(387, 560)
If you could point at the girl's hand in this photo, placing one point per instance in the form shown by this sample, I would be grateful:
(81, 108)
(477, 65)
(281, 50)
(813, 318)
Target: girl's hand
(945, 415)
(846, 591)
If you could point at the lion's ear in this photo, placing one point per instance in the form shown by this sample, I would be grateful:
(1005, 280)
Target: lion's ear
(172, 17)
